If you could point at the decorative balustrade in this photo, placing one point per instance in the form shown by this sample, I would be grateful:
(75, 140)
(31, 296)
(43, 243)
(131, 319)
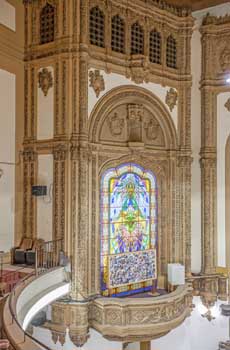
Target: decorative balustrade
(48, 255)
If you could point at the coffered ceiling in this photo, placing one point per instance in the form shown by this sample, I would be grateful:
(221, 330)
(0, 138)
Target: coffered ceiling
(197, 4)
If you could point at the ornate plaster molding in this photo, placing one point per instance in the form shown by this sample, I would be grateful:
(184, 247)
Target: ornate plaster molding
(135, 318)
(210, 19)
(96, 81)
(45, 80)
(171, 98)
(116, 124)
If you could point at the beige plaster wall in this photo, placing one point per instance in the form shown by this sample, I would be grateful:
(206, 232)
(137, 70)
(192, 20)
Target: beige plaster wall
(223, 132)
(11, 122)
(7, 154)
(45, 204)
(7, 15)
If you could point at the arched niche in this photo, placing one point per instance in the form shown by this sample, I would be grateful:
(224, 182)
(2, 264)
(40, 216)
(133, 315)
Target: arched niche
(151, 146)
(227, 201)
(113, 116)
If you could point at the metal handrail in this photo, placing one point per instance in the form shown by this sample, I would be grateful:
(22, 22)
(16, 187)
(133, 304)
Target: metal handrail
(35, 273)
(47, 255)
(14, 318)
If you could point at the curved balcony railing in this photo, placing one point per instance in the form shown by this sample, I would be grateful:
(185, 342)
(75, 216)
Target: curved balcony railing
(29, 296)
(45, 284)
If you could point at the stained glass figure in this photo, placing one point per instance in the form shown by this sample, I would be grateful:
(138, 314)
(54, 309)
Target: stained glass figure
(128, 225)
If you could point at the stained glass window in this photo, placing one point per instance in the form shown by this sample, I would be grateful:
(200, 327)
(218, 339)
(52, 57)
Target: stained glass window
(128, 228)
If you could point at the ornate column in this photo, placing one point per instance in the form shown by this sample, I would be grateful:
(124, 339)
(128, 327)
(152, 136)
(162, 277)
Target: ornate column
(208, 161)
(29, 202)
(184, 176)
(60, 197)
(208, 199)
(80, 166)
(215, 67)
(184, 164)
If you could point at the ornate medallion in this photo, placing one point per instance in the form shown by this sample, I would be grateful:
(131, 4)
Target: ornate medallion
(171, 98)
(96, 81)
(45, 80)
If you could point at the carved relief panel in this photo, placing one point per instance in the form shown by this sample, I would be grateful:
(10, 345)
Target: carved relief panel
(132, 123)
(216, 36)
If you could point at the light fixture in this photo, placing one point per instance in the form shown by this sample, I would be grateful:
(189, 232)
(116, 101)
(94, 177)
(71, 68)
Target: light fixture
(228, 80)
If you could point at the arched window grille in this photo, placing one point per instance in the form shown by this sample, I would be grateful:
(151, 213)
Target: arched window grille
(47, 24)
(97, 27)
(118, 34)
(155, 47)
(171, 52)
(137, 39)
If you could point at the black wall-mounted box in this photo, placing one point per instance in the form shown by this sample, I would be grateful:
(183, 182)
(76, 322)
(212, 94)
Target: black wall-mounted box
(39, 191)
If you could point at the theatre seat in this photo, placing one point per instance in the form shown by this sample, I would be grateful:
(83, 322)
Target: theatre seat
(19, 253)
(30, 254)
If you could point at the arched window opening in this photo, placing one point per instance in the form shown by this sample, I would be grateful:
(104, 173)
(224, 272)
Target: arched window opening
(118, 34)
(171, 52)
(128, 227)
(155, 47)
(47, 24)
(97, 27)
(137, 39)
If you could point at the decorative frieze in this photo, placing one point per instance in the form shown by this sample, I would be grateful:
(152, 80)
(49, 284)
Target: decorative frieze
(215, 20)
(116, 320)
(60, 152)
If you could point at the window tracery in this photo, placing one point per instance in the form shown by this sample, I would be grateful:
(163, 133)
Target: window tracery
(97, 27)
(118, 34)
(47, 24)
(137, 39)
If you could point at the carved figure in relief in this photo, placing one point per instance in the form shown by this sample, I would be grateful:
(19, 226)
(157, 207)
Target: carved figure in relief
(135, 115)
(171, 98)
(45, 80)
(96, 81)
(116, 125)
(152, 129)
